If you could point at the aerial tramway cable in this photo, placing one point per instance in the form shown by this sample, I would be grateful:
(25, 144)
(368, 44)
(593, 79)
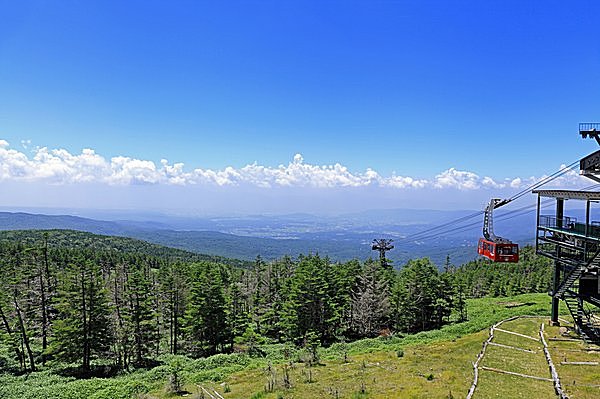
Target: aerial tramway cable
(545, 204)
(425, 233)
(504, 216)
(450, 226)
(545, 180)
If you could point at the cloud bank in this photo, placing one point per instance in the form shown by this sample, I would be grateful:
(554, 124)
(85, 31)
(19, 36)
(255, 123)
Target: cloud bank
(58, 166)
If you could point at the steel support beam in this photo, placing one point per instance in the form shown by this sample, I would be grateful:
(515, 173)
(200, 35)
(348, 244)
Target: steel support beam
(537, 223)
(560, 210)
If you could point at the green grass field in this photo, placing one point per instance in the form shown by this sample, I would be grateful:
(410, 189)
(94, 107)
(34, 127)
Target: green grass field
(434, 364)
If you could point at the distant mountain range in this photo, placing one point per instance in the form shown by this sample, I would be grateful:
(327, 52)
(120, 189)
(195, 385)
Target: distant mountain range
(339, 237)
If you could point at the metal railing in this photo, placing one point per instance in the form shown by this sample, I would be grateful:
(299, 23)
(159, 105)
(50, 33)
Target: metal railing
(569, 225)
(565, 223)
(589, 127)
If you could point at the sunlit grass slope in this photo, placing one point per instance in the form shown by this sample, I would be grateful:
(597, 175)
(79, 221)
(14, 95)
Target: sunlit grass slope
(434, 364)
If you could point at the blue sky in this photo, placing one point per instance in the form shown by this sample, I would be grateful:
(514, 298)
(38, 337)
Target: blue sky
(411, 89)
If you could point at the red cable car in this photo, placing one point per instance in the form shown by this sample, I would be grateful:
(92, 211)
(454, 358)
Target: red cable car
(496, 249)
(498, 252)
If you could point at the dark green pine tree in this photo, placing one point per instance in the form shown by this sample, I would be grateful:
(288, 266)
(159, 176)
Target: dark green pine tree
(82, 330)
(122, 315)
(445, 296)
(17, 277)
(142, 317)
(307, 305)
(173, 289)
(258, 298)
(206, 319)
(418, 302)
(238, 317)
(460, 304)
(343, 278)
(9, 289)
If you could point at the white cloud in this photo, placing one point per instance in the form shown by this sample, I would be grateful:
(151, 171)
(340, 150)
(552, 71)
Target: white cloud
(404, 182)
(489, 182)
(460, 179)
(127, 170)
(572, 178)
(59, 166)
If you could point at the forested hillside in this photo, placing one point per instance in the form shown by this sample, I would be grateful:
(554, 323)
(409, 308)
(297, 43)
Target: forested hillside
(72, 297)
(72, 239)
(482, 278)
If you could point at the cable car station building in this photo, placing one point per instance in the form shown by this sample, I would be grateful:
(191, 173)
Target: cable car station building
(574, 246)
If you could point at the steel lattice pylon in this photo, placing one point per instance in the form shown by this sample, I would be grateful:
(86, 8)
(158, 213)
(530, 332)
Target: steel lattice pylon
(382, 245)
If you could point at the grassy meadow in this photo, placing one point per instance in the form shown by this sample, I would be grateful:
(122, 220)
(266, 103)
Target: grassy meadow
(432, 364)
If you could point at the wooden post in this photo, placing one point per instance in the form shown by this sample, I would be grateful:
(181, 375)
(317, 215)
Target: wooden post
(482, 353)
(557, 387)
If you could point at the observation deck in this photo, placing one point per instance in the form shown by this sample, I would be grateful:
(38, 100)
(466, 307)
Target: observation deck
(589, 129)
(574, 245)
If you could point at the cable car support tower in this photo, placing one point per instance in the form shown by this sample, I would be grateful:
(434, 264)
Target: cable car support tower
(382, 245)
(574, 246)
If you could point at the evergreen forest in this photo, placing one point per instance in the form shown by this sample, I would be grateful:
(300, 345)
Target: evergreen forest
(104, 305)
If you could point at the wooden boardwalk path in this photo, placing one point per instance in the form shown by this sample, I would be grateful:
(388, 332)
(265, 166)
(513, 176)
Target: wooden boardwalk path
(495, 331)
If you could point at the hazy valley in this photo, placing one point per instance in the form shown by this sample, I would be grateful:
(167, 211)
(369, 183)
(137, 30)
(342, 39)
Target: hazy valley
(342, 237)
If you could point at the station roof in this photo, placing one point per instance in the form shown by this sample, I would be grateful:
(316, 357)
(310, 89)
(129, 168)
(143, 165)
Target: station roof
(569, 194)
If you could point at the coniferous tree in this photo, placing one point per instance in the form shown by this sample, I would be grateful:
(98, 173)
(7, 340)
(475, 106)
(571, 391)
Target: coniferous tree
(10, 337)
(460, 303)
(445, 298)
(343, 278)
(19, 279)
(82, 330)
(258, 302)
(142, 315)
(371, 305)
(238, 317)
(307, 306)
(206, 325)
(121, 315)
(173, 290)
(419, 303)
(43, 290)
